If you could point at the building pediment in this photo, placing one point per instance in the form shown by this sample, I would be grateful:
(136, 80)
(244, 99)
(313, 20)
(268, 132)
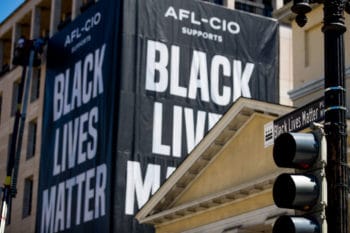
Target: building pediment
(229, 165)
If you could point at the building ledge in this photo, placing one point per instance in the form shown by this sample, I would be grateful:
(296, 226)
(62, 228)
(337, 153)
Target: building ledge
(231, 195)
(284, 14)
(312, 86)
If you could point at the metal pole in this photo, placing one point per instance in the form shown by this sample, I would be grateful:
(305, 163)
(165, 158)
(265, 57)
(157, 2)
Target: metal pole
(21, 125)
(335, 116)
(10, 187)
(8, 193)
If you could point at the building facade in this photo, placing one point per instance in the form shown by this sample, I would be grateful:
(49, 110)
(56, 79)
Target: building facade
(198, 198)
(43, 18)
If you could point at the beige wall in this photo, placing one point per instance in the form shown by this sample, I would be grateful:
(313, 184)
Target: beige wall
(308, 49)
(286, 64)
(242, 160)
(28, 167)
(237, 162)
(213, 215)
(308, 57)
(308, 46)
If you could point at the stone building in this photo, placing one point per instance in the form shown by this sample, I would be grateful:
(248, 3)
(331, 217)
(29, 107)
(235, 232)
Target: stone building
(237, 201)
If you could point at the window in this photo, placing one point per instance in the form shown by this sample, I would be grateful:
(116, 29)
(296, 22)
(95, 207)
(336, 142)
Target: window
(0, 106)
(86, 4)
(15, 97)
(219, 2)
(35, 85)
(4, 69)
(32, 128)
(263, 7)
(27, 197)
(65, 20)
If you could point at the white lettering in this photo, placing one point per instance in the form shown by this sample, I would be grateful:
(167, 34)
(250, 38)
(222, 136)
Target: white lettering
(157, 146)
(241, 81)
(175, 88)
(57, 202)
(59, 220)
(193, 123)
(48, 210)
(204, 83)
(85, 84)
(78, 141)
(153, 65)
(58, 97)
(194, 135)
(135, 185)
(215, 23)
(171, 12)
(199, 77)
(224, 98)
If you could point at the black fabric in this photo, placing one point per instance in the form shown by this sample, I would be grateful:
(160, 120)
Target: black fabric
(78, 124)
(171, 69)
(160, 119)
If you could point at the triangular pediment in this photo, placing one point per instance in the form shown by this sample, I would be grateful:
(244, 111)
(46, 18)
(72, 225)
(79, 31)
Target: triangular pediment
(222, 167)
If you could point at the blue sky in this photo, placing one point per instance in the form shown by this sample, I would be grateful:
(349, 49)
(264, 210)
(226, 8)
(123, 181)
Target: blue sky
(8, 6)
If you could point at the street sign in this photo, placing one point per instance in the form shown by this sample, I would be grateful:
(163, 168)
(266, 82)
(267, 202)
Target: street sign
(294, 121)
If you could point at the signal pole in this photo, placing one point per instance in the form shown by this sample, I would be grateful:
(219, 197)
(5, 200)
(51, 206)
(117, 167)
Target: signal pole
(335, 107)
(335, 115)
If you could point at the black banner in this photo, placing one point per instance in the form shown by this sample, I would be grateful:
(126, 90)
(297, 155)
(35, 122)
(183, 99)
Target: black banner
(183, 64)
(115, 129)
(78, 124)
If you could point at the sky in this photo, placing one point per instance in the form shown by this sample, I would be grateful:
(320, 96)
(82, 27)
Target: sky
(8, 6)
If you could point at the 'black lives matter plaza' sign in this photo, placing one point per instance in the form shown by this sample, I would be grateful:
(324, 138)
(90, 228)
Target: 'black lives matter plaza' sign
(294, 121)
(124, 106)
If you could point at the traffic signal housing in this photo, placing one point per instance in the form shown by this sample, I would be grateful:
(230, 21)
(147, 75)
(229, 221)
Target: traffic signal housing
(305, 190)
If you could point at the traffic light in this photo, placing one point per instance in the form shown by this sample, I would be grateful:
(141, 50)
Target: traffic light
(305, 190)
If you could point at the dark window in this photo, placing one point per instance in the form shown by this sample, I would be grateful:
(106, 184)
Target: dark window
(35, 88)
(15, 97)
(4, 69)
(9, 147)
(0, 107)
(219, 2)
(65, 20)
(27, 197)
(32, 129)
(257, 7)
(86, 4)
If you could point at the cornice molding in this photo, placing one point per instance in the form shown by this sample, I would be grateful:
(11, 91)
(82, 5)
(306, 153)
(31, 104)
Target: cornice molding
(229, 196)
(306, 89)
(312, 86)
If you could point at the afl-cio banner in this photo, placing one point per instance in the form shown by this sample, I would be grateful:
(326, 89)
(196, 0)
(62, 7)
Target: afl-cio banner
(75, 169)
(124, 107)
(183, 64)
